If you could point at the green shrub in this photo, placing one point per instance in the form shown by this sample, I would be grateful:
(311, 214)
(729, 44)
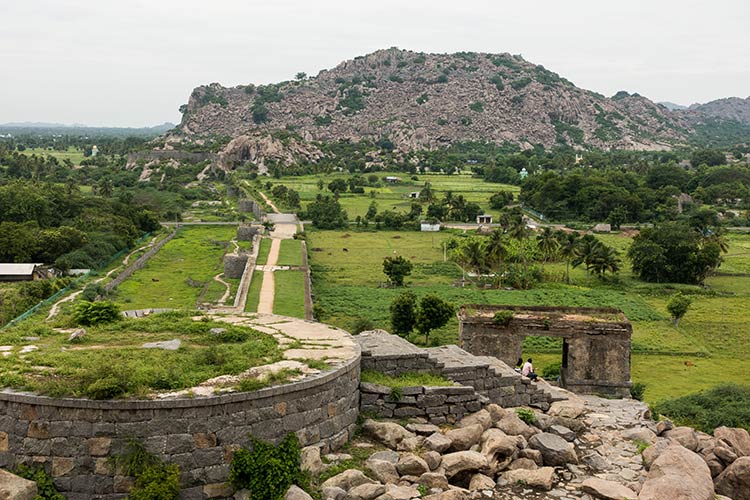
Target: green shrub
(154, 480)
(727, 404)
(552, 372)
(526, 415)
(502, 318)
(95, 313)
(637, 391)
(92, 291)
(45, 488)
(267, 471)
(158, 482)
(362, 325)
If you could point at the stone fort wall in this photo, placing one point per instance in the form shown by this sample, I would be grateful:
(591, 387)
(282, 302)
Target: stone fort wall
(72, 438)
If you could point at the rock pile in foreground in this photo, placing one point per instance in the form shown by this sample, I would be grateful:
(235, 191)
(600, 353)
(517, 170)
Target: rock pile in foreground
(585, 448)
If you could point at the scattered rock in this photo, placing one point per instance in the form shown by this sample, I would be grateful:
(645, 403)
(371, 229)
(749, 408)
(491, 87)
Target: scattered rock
(734, 482)
(555, 450)
(411, 465)
(652, 452)
(464, 438)
(607, 490)
(482, 417)
(496, 412)
(639, 434)
(497, 443)
(310, 460)
(563, 432)
(461, 461)
(663, 426)
(366, 492)
(383, 471)
(434, 480)
(542, 478)
(678, 473)
(725, 454)
(333, 493)
(401, 492)
(347, 480)
(534, 455)
(388, 433)
(514, 426)
(523, 463)
(572, 408)
(77, 334)
(685, 436)
(217, 331)
(437, 442)
(422, 429)
(297, 493)
(387, 455)
(167, 345)
(481, 482)
(432, 458)
(13, 487)
(738, 439)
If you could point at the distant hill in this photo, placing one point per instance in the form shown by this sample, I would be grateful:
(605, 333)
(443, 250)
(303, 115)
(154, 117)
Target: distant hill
(424, 101)
(44, 128)
(730, 108)
(672, 106)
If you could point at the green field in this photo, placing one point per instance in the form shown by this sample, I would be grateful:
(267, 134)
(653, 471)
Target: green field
(290, 253)
(265, 247)
(289, 295)
(73, 154)
(253, 293)
(194, 254)
(396, 196)
(347, 286)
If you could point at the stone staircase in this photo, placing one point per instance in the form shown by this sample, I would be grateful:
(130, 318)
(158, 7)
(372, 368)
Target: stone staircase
(490, 377)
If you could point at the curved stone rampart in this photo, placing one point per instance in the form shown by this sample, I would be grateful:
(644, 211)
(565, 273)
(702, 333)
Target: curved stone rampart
(72, 438)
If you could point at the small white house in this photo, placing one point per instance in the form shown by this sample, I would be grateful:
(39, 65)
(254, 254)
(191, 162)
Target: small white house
(414, 195)
(393, 179)
(484, 219)
(20, 272)
(429, 226)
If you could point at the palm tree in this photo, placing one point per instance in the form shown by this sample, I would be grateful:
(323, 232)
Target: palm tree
(470, 255)
(568, 246)
(548, 244)
(497, 252)
(602, 259)
(586, 251)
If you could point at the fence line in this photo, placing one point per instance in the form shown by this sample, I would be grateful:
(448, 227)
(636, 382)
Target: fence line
(72, 286)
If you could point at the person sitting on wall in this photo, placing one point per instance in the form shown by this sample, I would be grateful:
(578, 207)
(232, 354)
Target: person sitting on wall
(528, 370)
(519, 365)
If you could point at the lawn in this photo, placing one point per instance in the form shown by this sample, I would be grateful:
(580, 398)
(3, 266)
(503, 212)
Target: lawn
(175, 276)
(265, 247)
(289, 298)
(253, 292)
(290, 253)
(110, 362)
(396, 196)
(348, 278)
(75, 155)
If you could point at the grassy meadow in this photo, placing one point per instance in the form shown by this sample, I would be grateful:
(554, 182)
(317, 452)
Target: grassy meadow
(711, 339)
(396, 196)
(75, 155)
(193, 256)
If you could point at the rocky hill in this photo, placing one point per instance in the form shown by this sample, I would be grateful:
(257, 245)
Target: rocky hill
(425, 101)
(730, 108)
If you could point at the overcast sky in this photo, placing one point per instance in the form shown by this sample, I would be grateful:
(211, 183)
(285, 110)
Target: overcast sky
(134, 62)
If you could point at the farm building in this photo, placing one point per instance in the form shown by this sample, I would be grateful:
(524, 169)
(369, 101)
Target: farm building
(484, 219)
(20, 272)
(414, 194)
(393, 179)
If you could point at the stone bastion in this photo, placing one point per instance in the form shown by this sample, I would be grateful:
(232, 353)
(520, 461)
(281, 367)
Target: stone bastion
(73, 438)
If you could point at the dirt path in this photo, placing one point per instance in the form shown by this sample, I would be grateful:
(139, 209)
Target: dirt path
(269, 202)
(56, 306)
(267, 288)
(228, 290)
